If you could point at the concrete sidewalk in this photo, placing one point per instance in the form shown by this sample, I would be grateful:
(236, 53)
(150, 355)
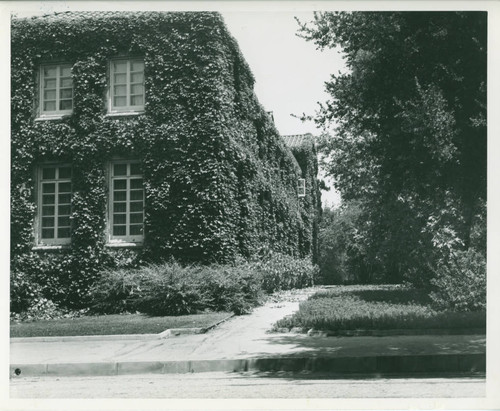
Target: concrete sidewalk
(243, 343)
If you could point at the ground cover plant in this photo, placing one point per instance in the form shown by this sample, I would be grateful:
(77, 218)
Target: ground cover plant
(376, 307)
(113, 324)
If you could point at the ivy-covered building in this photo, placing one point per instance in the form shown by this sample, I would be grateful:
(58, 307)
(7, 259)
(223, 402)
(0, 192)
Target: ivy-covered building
(138, 137)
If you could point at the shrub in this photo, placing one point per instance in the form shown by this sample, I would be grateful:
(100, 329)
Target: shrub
(282, 272)
(22, 292)
(172, 289)
(169, 289)
(231, 288)
(460, 284)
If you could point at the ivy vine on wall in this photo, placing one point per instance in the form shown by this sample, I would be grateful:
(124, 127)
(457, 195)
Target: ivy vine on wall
(219, 182)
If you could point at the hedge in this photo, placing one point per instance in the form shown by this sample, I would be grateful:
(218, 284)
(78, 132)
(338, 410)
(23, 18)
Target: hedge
(173, 289)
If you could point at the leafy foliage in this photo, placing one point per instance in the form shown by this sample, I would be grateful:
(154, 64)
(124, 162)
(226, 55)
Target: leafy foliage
(460, 284)
(173, 289)
(340, 254)
(219, 181)
(409, 141)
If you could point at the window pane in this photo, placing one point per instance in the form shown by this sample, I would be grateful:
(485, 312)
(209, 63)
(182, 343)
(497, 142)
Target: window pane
(120, 91)
(119, 207)
(136, 218)
(136, 195)
(48, 210)
(137, 89)
(63, 221)
(65, 104)
(49, 106)
(48, 188)
(137, 78)
(136, 183)
(48, 173)
(64, 187)
(66, 93)
(119, 169)
(120, 78)
(120, 184)
(48, 233)
(119, 230)
(120, 101)
(49, 95)
(136, 229)
(66, 83)
(64, 198)
(49, 84)
(50, 71)
(63, 232)
(66, 71)
(48, 199)
(136, 206)
(136, 65)
(48, 222)
(136, 101)
(135, 169)
(64, 209)
(64, 172)
(120, 67)
(119, 218)
(120, 196)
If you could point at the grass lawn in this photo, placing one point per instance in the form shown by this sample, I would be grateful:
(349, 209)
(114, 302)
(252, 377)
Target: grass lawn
(372, 307)
(112, 324)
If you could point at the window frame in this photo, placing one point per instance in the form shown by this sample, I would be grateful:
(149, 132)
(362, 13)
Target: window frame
(55, 113)
(127, 239)
(301, 187)
(64, 241)
(128, 108)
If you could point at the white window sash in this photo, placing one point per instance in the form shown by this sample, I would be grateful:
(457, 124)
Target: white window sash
(128, 107)
(127, 237)
(56, 112)
(301, 184)
(57, 181)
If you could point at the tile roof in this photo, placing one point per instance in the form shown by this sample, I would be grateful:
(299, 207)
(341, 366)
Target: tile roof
(296, 140)
(78, 15)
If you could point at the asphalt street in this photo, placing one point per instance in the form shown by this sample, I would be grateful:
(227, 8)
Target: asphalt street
(246, 385)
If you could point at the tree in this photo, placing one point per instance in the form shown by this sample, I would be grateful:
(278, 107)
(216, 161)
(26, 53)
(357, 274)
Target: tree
(410, 130)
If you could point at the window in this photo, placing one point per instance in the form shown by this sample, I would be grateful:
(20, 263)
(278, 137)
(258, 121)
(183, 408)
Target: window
(301, 187)
(127, 85)
(126, 202)
(54, 204)
(56, 90)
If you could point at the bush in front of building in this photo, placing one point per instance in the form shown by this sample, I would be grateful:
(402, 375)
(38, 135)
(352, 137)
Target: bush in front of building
(173, 289)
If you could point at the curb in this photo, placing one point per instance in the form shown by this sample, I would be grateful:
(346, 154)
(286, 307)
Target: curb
(445, 363)
(171, 332)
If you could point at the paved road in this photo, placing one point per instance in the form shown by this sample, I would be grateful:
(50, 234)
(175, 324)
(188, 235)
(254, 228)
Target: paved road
(245, 385)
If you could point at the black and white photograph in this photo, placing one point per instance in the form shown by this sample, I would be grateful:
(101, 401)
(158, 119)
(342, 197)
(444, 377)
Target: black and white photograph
(250, 205)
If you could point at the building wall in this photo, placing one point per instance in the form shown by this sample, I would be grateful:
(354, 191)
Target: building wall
(219, 182)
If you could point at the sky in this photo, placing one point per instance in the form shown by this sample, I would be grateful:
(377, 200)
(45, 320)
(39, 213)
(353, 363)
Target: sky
(289, 71)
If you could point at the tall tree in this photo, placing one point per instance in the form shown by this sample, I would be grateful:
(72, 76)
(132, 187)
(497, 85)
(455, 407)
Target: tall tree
(410, 129)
